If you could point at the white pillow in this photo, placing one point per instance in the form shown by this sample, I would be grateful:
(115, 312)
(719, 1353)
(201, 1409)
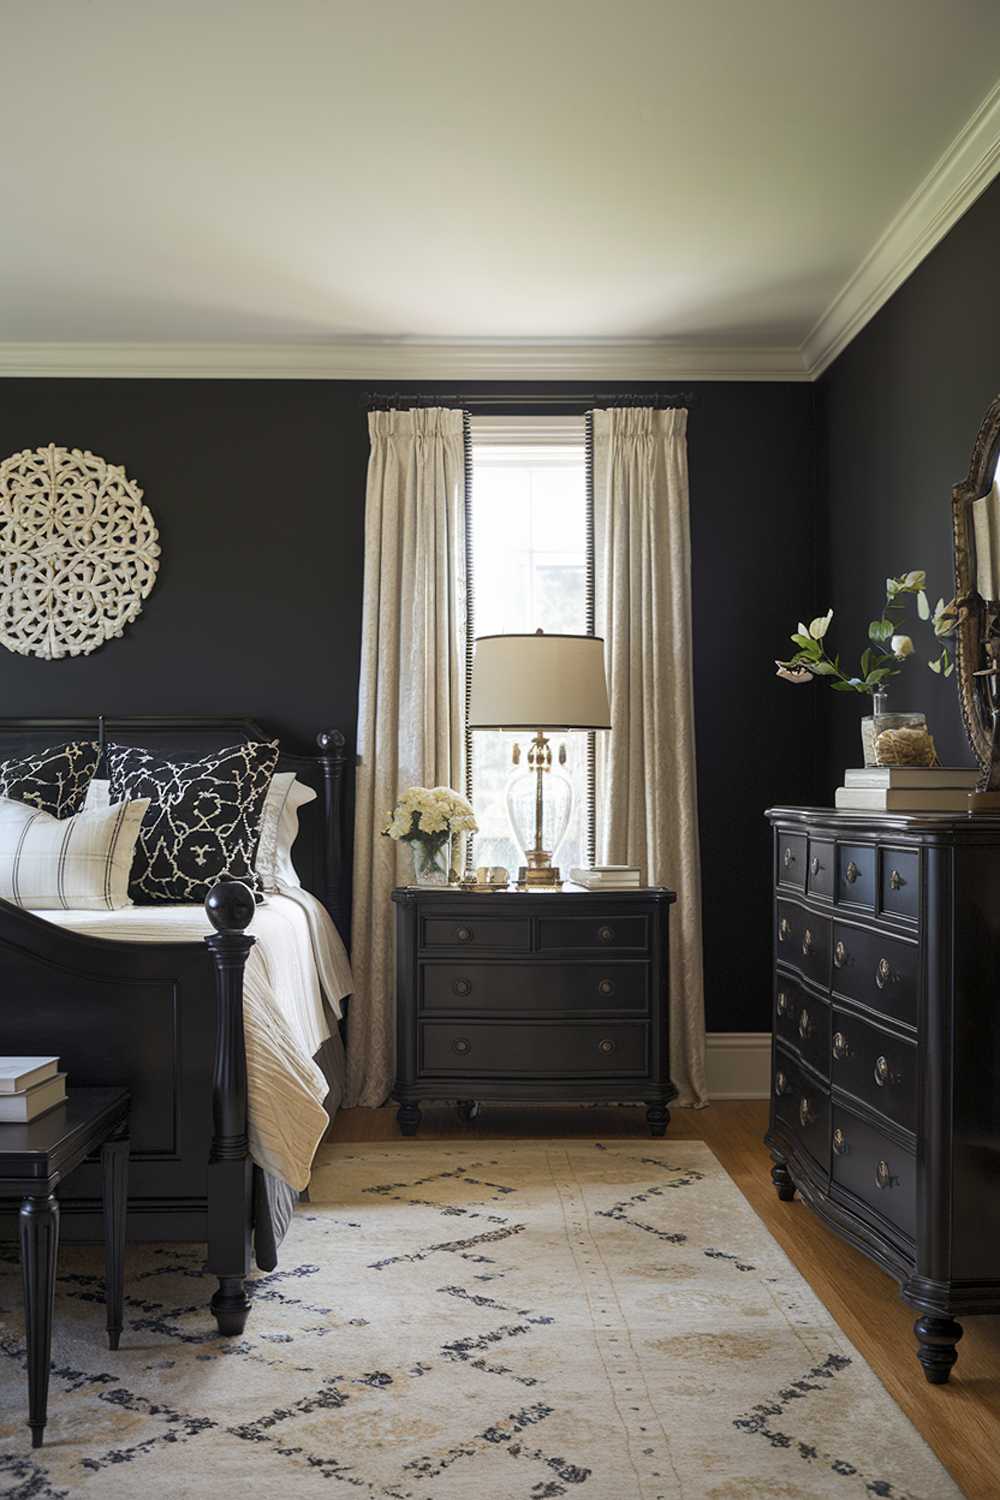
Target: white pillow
(68, 864)
(279, 826)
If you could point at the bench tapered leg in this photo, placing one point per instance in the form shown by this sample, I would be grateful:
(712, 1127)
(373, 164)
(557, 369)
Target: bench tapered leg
(39, 1235)
(114, 1188)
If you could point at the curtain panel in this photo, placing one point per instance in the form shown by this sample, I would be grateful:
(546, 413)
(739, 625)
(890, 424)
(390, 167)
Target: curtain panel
(647, 810)
(410, 704)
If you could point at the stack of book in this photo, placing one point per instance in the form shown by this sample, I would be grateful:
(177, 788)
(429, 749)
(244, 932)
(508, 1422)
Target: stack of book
(907, 789)
(28, 1087)
(607, 877)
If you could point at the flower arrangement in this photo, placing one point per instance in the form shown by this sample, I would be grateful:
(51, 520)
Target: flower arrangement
(889, 648)
(427, 818)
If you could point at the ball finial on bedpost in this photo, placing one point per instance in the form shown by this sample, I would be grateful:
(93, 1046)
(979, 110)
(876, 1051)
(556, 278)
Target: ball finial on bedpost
(230, 906)
(330, 741)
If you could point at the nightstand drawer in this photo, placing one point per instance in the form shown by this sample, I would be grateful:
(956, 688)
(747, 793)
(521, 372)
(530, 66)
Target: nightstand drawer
(803, 1107)
(803, 940)
(533, 988)
(577, 1049)
(875, 1169)
(607, 933)
(499, 934)
(875, 1066)
(880, 972)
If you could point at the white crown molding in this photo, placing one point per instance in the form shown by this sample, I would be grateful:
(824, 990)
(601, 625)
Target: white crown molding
(406, 359)
(955, 181)
(738, 1064)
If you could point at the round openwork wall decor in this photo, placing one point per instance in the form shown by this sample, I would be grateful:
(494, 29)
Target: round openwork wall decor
(78, 552)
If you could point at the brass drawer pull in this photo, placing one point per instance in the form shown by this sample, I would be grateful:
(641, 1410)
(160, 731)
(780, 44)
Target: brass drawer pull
(780, 1083)
(814, 865)
(839, 1045)
(606, 987)
(461, 1045)
(806, 1027)
(781, 1004)
(606, 1045)
(883, 973)
(784, 929)
(851, 873)
(606, 934)
(839, 955)
(806, 1115)
(807, 943)
(883, 1073)
(789, 858)
(883, 1176)
(839, 1142)
(462, 987)
(896, 880)
(464, 934)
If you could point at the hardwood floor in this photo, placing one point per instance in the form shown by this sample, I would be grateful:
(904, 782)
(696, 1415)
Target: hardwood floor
(961, 1420)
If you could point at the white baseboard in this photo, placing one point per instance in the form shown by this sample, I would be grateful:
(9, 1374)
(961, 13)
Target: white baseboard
(738, 1064)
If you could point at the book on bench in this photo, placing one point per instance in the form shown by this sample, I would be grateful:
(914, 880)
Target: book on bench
(20, 1073)
(37, 1087)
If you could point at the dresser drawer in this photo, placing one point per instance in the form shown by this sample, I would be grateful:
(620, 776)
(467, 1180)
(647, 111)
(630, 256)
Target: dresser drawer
(803, 1107)
(558, 934)
(856, 876)
(880, 972)
(803, 939)
(790, 854)
(875, 1169)
(820, 875)
(802, 1022)
(875, 1066)
(899, 883)
(485, 933)
(530, 988)
(581, 1049)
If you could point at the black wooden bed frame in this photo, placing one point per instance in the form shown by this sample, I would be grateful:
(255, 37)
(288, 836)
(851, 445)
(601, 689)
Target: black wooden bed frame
(165, 1020)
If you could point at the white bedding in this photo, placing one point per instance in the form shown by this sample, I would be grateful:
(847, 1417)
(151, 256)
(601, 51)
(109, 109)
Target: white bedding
(297, 968)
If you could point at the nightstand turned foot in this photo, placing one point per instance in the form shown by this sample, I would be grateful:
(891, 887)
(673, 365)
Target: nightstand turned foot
(408, 1117)
(782, 1179)
(657, 1118)
(936, 1340)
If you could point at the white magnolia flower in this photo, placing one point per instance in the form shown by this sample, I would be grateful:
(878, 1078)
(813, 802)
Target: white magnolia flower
(819, 626)
(901, 645)
(793, 674)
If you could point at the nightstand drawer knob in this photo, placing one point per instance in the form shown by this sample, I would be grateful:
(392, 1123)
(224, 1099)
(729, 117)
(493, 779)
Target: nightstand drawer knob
(463, 934)
(839, 1142)
(806, 1113)
(606, 934)
(883, 1074)
(883, 1176)
(839, 956)
(784, 929)
(461, 1045)
(883, 973)
(780, 1082)
(851, 873)
(896, 881)
(781, 1004)
(814, 865)
(606, 987)
(805, 1025)
(789, 859)
(606, 1045)
(839, 1045)
(807, 943)
(462, 987)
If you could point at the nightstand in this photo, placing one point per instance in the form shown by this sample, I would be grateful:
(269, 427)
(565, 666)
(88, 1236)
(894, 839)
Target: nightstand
(548, 997)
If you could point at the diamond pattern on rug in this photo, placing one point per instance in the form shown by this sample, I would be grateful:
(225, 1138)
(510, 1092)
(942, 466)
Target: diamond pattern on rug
(515, 1321)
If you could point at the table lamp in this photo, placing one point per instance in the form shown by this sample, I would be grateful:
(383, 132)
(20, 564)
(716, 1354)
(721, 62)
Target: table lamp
(542, 683)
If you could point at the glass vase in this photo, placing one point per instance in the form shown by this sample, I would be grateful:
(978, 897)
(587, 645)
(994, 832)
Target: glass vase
(431, 862)
(880, 720)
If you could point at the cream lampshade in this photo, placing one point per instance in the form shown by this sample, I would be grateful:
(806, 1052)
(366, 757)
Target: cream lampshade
(539, 682)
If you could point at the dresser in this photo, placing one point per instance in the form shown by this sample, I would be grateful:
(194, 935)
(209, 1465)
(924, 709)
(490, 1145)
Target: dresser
(885, 1080)
(542, 996)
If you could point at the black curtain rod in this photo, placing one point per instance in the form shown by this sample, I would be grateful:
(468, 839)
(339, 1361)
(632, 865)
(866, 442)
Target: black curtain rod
(527, 401)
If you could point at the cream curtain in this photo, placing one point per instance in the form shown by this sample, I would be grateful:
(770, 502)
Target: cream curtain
(410, 710)
(647, 809)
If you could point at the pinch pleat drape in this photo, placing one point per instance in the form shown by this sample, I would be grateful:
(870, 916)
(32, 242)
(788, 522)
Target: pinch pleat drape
(647, 810)
(410, 703)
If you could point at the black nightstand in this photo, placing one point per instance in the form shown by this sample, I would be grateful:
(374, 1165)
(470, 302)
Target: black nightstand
(551, 997)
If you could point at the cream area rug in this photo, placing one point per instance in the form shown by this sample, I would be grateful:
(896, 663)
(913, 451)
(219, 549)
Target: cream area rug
(519, 1321)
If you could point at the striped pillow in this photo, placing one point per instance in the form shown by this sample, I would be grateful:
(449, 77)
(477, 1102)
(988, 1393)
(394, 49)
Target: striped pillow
(68, 864)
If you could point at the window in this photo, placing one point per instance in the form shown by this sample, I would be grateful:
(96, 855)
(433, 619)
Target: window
(531, 566)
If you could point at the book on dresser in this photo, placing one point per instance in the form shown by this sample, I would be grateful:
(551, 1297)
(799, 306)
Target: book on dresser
(902, 799)
(607, 877)
(907, 778)
(28, 1087)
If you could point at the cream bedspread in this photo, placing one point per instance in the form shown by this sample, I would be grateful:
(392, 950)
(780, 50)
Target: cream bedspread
(296, 973)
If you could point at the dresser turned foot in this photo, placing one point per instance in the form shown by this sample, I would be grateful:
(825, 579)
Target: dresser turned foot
(468, 1109)
(657, 1118)
(408, 1118)
(936, 1341)
(782, 1179)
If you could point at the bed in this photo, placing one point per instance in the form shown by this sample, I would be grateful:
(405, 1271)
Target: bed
(229, 1047)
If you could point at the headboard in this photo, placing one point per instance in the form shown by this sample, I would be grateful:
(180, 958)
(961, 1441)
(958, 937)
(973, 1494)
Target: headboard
(319, 848)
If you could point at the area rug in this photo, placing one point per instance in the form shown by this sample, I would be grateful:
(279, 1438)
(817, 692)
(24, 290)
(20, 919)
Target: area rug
(518, 1321)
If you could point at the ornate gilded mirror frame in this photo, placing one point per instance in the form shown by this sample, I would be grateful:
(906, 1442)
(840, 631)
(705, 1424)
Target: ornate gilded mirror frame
(977, 638)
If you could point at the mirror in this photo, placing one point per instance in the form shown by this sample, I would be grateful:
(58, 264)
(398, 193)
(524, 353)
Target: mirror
(977, 575)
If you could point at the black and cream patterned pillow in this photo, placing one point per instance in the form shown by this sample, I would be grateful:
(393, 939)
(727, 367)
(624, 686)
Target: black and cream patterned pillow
(203, 821)
(56, 779)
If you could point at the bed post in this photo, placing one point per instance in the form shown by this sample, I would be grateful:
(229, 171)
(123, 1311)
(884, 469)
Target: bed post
(332, 758)
(230, 907)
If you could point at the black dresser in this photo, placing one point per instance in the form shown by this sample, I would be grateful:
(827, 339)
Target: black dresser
(552, 996)
(885, 1097)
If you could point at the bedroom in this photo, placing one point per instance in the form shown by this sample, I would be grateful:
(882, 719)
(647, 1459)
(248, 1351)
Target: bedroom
(760, 238)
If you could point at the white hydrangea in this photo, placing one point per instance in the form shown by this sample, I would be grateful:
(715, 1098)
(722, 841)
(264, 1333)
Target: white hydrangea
(430, 812)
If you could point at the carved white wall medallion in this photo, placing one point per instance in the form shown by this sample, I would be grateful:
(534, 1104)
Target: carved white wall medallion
(78, 552)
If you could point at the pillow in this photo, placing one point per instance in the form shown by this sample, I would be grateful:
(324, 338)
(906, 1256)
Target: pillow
(203, 821)
(55, 780)
(279, 829)
(80, 863)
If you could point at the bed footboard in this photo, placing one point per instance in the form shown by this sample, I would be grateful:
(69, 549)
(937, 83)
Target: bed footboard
(230, 908)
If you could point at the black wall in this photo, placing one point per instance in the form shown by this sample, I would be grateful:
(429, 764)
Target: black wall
(898, 413)
(258, 491)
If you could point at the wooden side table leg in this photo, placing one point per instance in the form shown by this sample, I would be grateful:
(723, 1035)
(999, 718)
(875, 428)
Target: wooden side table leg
(39, 1234)
(114, 1191)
